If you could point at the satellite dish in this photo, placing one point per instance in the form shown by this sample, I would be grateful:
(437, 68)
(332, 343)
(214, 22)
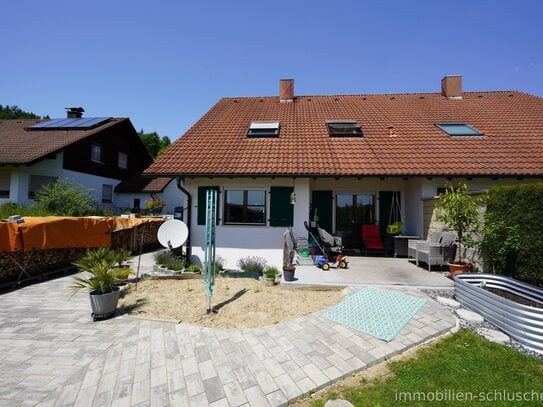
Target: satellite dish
(173, 233)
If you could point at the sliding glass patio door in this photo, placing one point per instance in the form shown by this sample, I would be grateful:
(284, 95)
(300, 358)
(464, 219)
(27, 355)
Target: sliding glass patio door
(352, 210)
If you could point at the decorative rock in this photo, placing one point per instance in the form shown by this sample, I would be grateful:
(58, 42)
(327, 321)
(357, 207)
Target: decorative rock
(494, 335)
(449, 302)
(338, 403)
(470, 316)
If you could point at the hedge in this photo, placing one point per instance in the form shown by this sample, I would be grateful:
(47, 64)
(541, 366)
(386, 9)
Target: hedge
(517, 209)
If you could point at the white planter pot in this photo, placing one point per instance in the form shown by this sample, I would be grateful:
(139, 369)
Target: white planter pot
(104, 304)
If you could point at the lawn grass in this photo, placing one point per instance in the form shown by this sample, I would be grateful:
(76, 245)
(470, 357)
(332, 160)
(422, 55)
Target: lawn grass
(461, 365)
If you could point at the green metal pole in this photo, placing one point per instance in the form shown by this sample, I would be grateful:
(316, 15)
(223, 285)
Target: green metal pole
(209, 260)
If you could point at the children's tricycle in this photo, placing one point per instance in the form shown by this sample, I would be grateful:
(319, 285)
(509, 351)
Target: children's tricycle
(324, 263)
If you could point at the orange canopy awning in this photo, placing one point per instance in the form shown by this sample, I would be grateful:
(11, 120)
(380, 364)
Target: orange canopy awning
(55, 232)
(10, 237)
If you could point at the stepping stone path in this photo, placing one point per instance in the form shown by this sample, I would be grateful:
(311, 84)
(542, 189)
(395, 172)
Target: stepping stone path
(494, 335)
(449, 302)
(470, 316)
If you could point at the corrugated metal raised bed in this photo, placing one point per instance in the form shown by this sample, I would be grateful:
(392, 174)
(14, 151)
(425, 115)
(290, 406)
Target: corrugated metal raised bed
(520, 321)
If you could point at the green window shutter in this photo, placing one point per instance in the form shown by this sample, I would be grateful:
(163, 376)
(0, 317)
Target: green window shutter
(281, 210)
(202, 204)
(323, 202)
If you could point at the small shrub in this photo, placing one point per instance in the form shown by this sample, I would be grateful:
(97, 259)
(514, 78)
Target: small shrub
(94, 256)
(65, 198)
(219, 264)
(252, 264)
(271, 273)
(10, 208)
(171, 262)
(119, 256)
(193, 268)
(100, 264)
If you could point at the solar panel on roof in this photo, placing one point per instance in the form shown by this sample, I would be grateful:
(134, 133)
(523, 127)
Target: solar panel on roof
(82, 123)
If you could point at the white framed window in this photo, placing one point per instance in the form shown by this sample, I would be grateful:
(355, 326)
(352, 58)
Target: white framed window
(5, 181)
(97, 153)
(344, 128)
(36, 182)
(263, 129)
(123, 160)
(107, 193)
(245, 207)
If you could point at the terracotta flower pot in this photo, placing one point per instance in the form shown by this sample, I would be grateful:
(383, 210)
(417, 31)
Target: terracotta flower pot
(457, 267)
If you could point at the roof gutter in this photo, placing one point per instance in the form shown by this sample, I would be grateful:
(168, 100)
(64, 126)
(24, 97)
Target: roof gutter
(309, 175)
(189, 214)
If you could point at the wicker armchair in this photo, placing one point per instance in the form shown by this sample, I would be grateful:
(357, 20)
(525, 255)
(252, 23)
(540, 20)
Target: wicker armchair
(412, 244)
(437, 254)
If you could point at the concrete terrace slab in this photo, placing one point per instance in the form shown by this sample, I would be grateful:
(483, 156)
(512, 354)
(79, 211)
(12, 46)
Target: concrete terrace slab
(383, 271)
(52, 354)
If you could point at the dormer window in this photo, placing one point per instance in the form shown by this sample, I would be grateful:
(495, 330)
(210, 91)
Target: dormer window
(263, 129)
(459, 129)
(344, 128)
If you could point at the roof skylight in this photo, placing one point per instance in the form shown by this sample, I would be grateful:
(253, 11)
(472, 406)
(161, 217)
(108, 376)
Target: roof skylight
(344, 128)
(459, 129)
(263, 129)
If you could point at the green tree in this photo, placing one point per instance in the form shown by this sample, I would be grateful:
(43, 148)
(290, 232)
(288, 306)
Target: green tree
(15, 112)
(154, 144)
(459, 210)
(65, 198)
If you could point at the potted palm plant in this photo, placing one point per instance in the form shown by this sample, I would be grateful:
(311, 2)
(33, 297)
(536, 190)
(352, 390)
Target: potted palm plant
(459, 211)
(101, 281)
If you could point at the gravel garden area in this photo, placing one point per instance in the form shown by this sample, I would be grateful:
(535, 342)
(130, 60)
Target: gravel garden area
(238, 302)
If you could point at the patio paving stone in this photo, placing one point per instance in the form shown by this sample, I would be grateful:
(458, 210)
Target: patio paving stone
(53, 354)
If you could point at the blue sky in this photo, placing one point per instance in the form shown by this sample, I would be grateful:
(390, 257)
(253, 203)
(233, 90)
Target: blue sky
(164, 63)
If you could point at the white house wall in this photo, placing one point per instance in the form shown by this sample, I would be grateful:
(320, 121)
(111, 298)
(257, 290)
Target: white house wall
(234, 242)
(20, 178)
(20, 181)
(92, 182)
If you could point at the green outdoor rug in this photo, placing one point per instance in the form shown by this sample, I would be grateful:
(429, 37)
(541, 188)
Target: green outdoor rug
(380, 313)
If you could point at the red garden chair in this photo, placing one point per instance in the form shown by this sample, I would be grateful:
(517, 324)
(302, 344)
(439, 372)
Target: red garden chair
(371, 235)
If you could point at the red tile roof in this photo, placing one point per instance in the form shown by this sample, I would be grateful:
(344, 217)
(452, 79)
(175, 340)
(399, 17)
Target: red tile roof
(137, 183)
(217, 144)
(20, 146)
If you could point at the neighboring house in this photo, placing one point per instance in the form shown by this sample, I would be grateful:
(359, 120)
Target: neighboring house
(97, 152)
(132, 189)
(346, 157)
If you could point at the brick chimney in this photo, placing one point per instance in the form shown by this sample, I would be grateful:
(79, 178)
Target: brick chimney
(451, 86)
(74, 112)
(286, 90)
